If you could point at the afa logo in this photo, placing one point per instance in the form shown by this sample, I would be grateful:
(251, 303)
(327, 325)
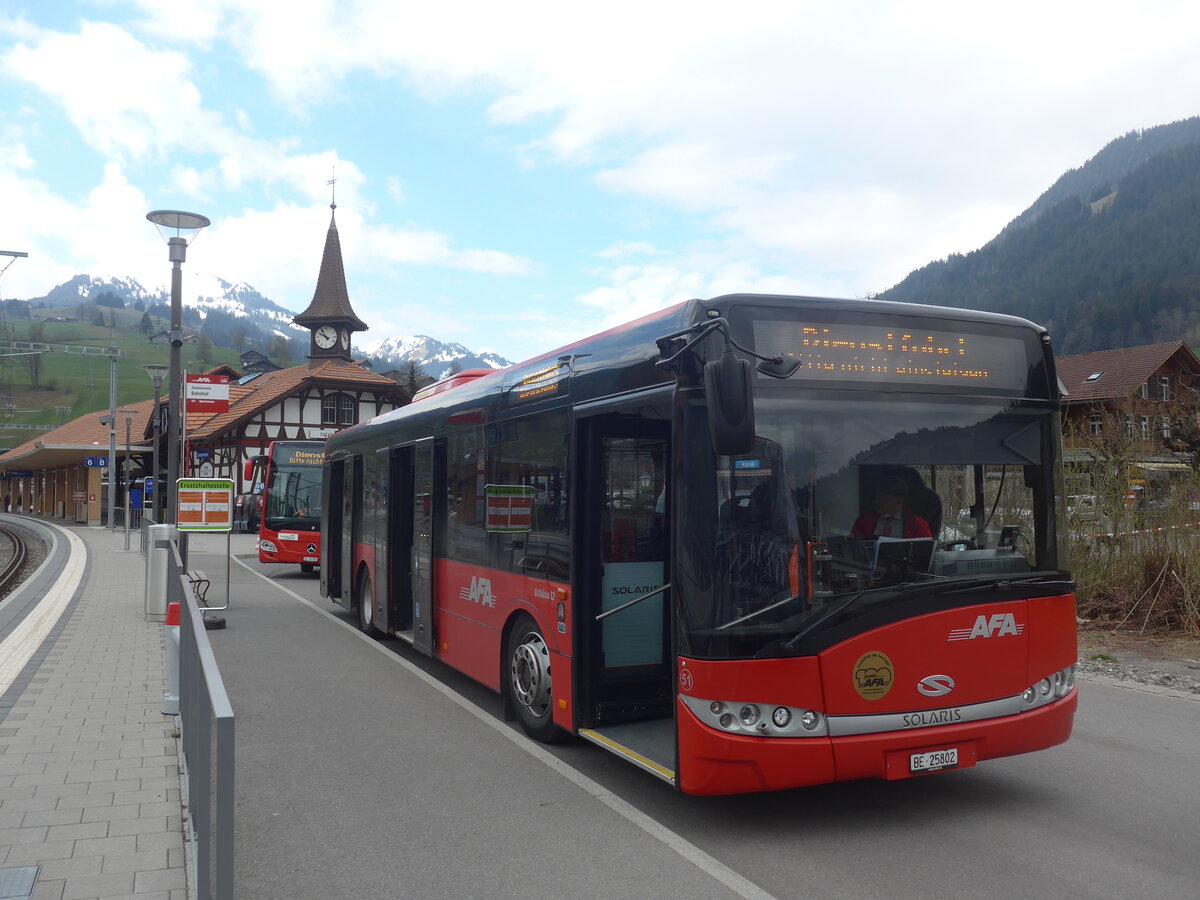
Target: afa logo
(997, 625)
(479, 592)
(873, 675)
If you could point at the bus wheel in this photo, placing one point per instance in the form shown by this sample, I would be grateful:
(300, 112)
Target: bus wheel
(528, 681)
(306, 568)
(366, 607)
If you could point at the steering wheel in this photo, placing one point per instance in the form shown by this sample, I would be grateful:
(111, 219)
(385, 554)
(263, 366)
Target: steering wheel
(959, 545)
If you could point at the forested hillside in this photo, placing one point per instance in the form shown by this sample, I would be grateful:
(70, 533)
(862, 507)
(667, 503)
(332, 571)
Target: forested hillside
(1111, 258)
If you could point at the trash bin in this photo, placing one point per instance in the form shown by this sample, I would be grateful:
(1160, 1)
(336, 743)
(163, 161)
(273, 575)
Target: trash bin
(158, 552)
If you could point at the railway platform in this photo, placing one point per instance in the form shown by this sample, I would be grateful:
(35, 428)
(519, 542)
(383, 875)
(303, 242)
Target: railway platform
(89, 776)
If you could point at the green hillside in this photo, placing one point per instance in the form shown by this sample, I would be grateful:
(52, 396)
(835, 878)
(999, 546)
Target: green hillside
(1117, 267)
(79, 382)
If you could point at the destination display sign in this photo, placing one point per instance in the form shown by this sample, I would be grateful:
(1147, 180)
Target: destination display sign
(548, 382)
(871, 352)
(299, 456)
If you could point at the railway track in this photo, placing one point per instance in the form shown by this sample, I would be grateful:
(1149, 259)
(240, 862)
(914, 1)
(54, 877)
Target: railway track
(12, 569)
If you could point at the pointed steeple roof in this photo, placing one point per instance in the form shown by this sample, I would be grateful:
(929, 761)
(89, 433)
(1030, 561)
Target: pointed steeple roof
(331, 300)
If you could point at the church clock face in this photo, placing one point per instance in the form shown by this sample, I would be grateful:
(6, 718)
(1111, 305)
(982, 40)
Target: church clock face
(345, 338)
(326, 336)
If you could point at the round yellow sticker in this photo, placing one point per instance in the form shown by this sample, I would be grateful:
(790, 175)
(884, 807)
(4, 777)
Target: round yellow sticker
(873, 675)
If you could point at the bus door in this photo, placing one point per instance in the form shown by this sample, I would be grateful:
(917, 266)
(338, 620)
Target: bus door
(351, 529)
(332, 560)
(622, 550)
(418, 498)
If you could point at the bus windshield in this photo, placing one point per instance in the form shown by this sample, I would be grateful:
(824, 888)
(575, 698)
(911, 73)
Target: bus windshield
(293, 498)
(850, 499)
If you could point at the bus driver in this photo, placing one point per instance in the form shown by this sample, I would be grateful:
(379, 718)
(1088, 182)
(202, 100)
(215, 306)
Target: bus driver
(890, 517)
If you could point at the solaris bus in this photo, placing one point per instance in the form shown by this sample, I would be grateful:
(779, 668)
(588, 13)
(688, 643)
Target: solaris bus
(648, 539)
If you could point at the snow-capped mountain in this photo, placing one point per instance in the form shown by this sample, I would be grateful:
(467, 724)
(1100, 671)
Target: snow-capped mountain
(436, 358)
(215, 307)
(203, 295)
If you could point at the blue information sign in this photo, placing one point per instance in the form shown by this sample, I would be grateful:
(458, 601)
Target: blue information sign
(149, 485)
(95, 462)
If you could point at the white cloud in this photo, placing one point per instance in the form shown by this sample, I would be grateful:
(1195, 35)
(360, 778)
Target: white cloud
(840, 146)
(126, 100)
(622, 249)
(880, 125)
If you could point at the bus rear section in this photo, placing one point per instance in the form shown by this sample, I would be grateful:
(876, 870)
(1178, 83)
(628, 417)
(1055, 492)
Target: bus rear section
(290, 520)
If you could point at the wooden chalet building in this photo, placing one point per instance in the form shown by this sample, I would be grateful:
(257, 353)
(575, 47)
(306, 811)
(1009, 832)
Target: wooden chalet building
(1134, 398)
(254, 363)
(305, 402)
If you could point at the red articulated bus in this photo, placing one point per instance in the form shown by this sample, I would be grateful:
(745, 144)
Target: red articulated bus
(290, 524)
(669, 539)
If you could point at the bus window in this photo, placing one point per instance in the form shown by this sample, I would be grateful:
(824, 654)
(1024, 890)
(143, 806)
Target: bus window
(532, 452)
(466, 476)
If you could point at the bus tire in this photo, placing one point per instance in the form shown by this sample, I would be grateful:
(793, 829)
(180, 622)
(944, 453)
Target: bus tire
(366, 606)
(306, 568)
(527, 680)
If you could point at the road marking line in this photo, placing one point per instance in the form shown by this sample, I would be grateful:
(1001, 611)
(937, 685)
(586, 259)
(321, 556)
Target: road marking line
(24, 640)
(681, 845)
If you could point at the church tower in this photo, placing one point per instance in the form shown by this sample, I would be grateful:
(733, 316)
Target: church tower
(330, 317)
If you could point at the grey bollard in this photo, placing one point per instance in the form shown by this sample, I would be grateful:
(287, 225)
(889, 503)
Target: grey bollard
(158, 553)
(170, 705)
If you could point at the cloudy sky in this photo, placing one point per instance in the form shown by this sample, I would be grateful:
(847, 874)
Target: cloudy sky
(516, 175)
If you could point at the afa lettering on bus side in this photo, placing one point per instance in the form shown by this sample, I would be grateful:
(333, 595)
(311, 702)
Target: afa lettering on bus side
(997, 625)
(479, 592)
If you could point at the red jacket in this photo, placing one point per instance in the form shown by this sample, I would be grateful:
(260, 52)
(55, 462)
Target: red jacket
(914, 525)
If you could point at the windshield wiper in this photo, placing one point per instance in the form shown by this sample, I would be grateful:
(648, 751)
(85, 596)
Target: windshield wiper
(795, 639)
(1001, 582)
(757, 612)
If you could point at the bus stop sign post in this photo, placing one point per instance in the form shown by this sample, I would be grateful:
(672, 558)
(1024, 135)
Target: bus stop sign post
(206, 505)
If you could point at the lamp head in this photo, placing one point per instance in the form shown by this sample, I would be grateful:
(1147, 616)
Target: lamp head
(157, 373)
(178, 229)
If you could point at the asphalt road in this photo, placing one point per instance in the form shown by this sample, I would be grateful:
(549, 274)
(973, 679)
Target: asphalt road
(360, 775)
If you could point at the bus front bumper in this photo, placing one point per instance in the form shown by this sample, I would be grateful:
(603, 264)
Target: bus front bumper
(712, 762)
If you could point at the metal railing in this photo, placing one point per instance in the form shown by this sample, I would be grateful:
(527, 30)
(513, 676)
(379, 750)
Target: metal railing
(206, 726)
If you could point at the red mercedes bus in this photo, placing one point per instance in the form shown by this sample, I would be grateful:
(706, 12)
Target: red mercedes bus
(290, 521)
(652, 539)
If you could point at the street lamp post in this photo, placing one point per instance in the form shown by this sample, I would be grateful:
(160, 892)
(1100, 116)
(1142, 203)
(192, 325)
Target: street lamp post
(128, 414)
(185, 225)
(156, 373)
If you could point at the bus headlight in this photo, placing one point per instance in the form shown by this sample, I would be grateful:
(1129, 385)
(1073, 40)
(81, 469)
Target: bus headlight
(1053, 687)
(1064, 681)
(268, 547)
(753, 718)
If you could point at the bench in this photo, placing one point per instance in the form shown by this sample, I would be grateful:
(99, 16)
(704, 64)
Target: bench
(200, 585)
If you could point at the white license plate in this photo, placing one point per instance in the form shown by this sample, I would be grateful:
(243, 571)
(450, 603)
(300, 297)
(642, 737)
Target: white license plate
(311, 559)
(934, 760)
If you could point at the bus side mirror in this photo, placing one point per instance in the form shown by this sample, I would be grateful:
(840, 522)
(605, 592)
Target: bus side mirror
(730, 400)
(248, 469)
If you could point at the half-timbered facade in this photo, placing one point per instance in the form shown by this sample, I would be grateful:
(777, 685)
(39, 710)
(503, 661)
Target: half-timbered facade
(297, 403)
